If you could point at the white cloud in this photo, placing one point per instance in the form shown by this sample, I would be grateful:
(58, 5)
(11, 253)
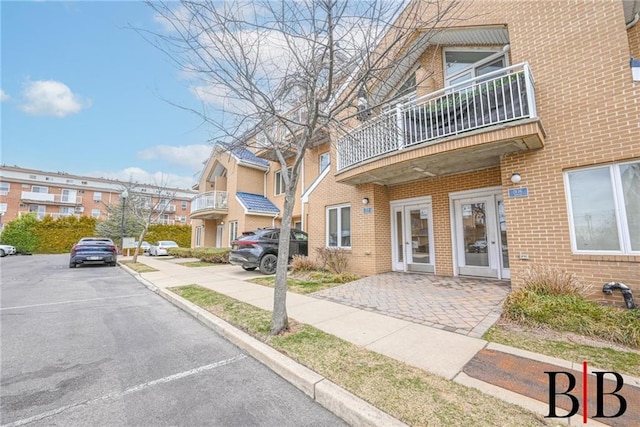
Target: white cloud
(140, 176)
(190, 156)
(51, 98)
(4, 96)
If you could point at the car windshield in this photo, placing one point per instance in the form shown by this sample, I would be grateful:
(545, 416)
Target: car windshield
(167, 243)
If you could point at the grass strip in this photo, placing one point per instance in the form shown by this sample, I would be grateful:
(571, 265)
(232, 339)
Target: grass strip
(138, 267)
(407, 393)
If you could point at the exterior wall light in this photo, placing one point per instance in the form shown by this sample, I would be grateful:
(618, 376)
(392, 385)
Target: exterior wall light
(365, 200)
(516, 178)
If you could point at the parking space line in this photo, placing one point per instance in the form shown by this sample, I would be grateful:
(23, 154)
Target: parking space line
(134, 389)
(71, 301)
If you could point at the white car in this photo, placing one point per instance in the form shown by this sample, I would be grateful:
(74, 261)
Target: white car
(160, 248)
(7, 250)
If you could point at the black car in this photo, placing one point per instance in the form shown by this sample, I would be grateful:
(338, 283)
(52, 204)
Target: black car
(94, 250)
(259, 249)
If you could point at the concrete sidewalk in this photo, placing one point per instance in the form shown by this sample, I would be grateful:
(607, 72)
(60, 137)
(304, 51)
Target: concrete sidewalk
(451, 355)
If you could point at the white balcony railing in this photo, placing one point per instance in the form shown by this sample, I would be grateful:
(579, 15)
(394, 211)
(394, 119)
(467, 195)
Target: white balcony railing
(51, 198)
(501, 96)
(213, 200)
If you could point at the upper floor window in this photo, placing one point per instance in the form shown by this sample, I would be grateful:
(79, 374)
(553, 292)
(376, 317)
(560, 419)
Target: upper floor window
(184, 205)
(95, 213)
(3, 207)
(461, 65)
(604, 208)
(325, 159)
(39, 189)
(97, 196)
(4, 188)
(279, 184)
(339, 226)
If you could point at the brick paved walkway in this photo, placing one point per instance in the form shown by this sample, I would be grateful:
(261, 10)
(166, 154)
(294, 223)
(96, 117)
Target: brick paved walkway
(468, 306)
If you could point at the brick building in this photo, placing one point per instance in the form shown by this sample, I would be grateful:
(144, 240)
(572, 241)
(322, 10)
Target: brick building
(519, 145)
(59, 194)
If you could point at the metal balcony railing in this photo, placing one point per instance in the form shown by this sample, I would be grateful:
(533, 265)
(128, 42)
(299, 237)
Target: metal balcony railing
(213, 200)
(51, 198)
(500, 96)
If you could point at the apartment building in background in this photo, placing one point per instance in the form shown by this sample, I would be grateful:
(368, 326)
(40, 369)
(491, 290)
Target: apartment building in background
(61, 194)
(515, 142)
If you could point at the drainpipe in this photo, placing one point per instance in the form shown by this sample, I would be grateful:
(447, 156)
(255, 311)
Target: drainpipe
(634, 21)
(273, 221)
(626, 293)
(301, 193)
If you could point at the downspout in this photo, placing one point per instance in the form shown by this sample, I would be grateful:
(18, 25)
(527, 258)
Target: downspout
(634, 21)
(273, 221)
(301, 202)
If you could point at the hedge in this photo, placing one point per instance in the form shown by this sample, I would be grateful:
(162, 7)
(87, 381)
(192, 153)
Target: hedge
(212, 255)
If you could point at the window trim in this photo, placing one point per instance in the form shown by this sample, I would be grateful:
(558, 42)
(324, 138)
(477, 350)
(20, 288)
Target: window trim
(95, 213)
(338, 208)
(624, 238)
(233, 231)
(279, 180)
(326, 154)
(97, 196)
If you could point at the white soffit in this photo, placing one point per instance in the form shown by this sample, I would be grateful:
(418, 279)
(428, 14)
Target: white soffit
(471, 36)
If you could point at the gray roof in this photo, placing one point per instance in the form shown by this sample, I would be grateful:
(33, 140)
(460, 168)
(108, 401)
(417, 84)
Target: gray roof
(255, 203)
(246, 156)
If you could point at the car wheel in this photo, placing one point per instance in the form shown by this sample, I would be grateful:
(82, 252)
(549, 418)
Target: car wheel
(72, 265)
(248, 268)
(2, 253)
(268, 264)
(113, 264)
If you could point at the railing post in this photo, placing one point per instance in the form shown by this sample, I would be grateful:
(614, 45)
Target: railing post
(531, 96)
(399, 126)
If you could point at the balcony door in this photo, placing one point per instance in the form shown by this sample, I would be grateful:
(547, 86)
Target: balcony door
(480, 235)
(412, 236)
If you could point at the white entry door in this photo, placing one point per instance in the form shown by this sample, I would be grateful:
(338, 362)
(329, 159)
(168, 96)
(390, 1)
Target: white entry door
(481, 236)
(413, 248)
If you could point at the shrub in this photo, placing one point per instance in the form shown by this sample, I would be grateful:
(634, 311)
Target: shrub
(21, 233)
(212, 255)
(546, 280)
(335, 260)
(301, 263)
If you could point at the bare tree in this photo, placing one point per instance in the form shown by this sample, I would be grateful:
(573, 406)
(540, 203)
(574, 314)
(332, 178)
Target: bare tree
(278, 76)
(137, 210)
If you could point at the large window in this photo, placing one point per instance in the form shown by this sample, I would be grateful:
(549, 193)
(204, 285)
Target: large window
(39, 189)
(604, 208)
(461, 65)
(279, 184)
(97, 196)
(4, 188)
(339, 226)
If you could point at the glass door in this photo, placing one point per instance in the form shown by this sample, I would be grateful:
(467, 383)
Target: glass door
(413, 238)
(477, 244)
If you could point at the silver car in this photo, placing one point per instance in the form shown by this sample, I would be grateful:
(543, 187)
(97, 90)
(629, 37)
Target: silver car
(7, 250)
(160, 248)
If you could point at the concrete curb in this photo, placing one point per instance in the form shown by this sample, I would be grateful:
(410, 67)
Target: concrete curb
(346, 405)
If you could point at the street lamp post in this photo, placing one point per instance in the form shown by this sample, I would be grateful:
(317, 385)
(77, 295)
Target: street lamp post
(124, 196)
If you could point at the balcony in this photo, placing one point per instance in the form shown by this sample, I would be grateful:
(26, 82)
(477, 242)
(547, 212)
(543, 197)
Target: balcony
(459, 128)
(54, 215)
(211, 205)
(51, 199)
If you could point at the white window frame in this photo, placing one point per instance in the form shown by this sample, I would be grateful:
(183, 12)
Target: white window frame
(233, 231)
(497, 53)
(327, 156)
(95, 213)
(338, 209)
(67, 211)
(4, 188)
(3, 207)
(183, 204)
(278, 183)
(624, 239)
(33, 189)
(97, 196)
(198, 237)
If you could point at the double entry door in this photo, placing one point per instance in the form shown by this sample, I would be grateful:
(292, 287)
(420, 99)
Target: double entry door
(412, 235)
(481, 235)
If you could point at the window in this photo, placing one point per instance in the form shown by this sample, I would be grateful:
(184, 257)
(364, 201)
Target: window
(339, 226)
(3, 207)
(184, 205)
(69, 181)
(39, 189)
(198, 238)
(297, 225)
(279, 181)
(4, 188)
(39, 210)
(233, 231)
(461, 65)
(97, 196)
(604, 208)
(66, 211)
(95, 213)
(325, 159)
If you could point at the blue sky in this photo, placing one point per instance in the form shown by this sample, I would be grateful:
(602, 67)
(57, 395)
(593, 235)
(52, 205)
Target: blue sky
(84, 94)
